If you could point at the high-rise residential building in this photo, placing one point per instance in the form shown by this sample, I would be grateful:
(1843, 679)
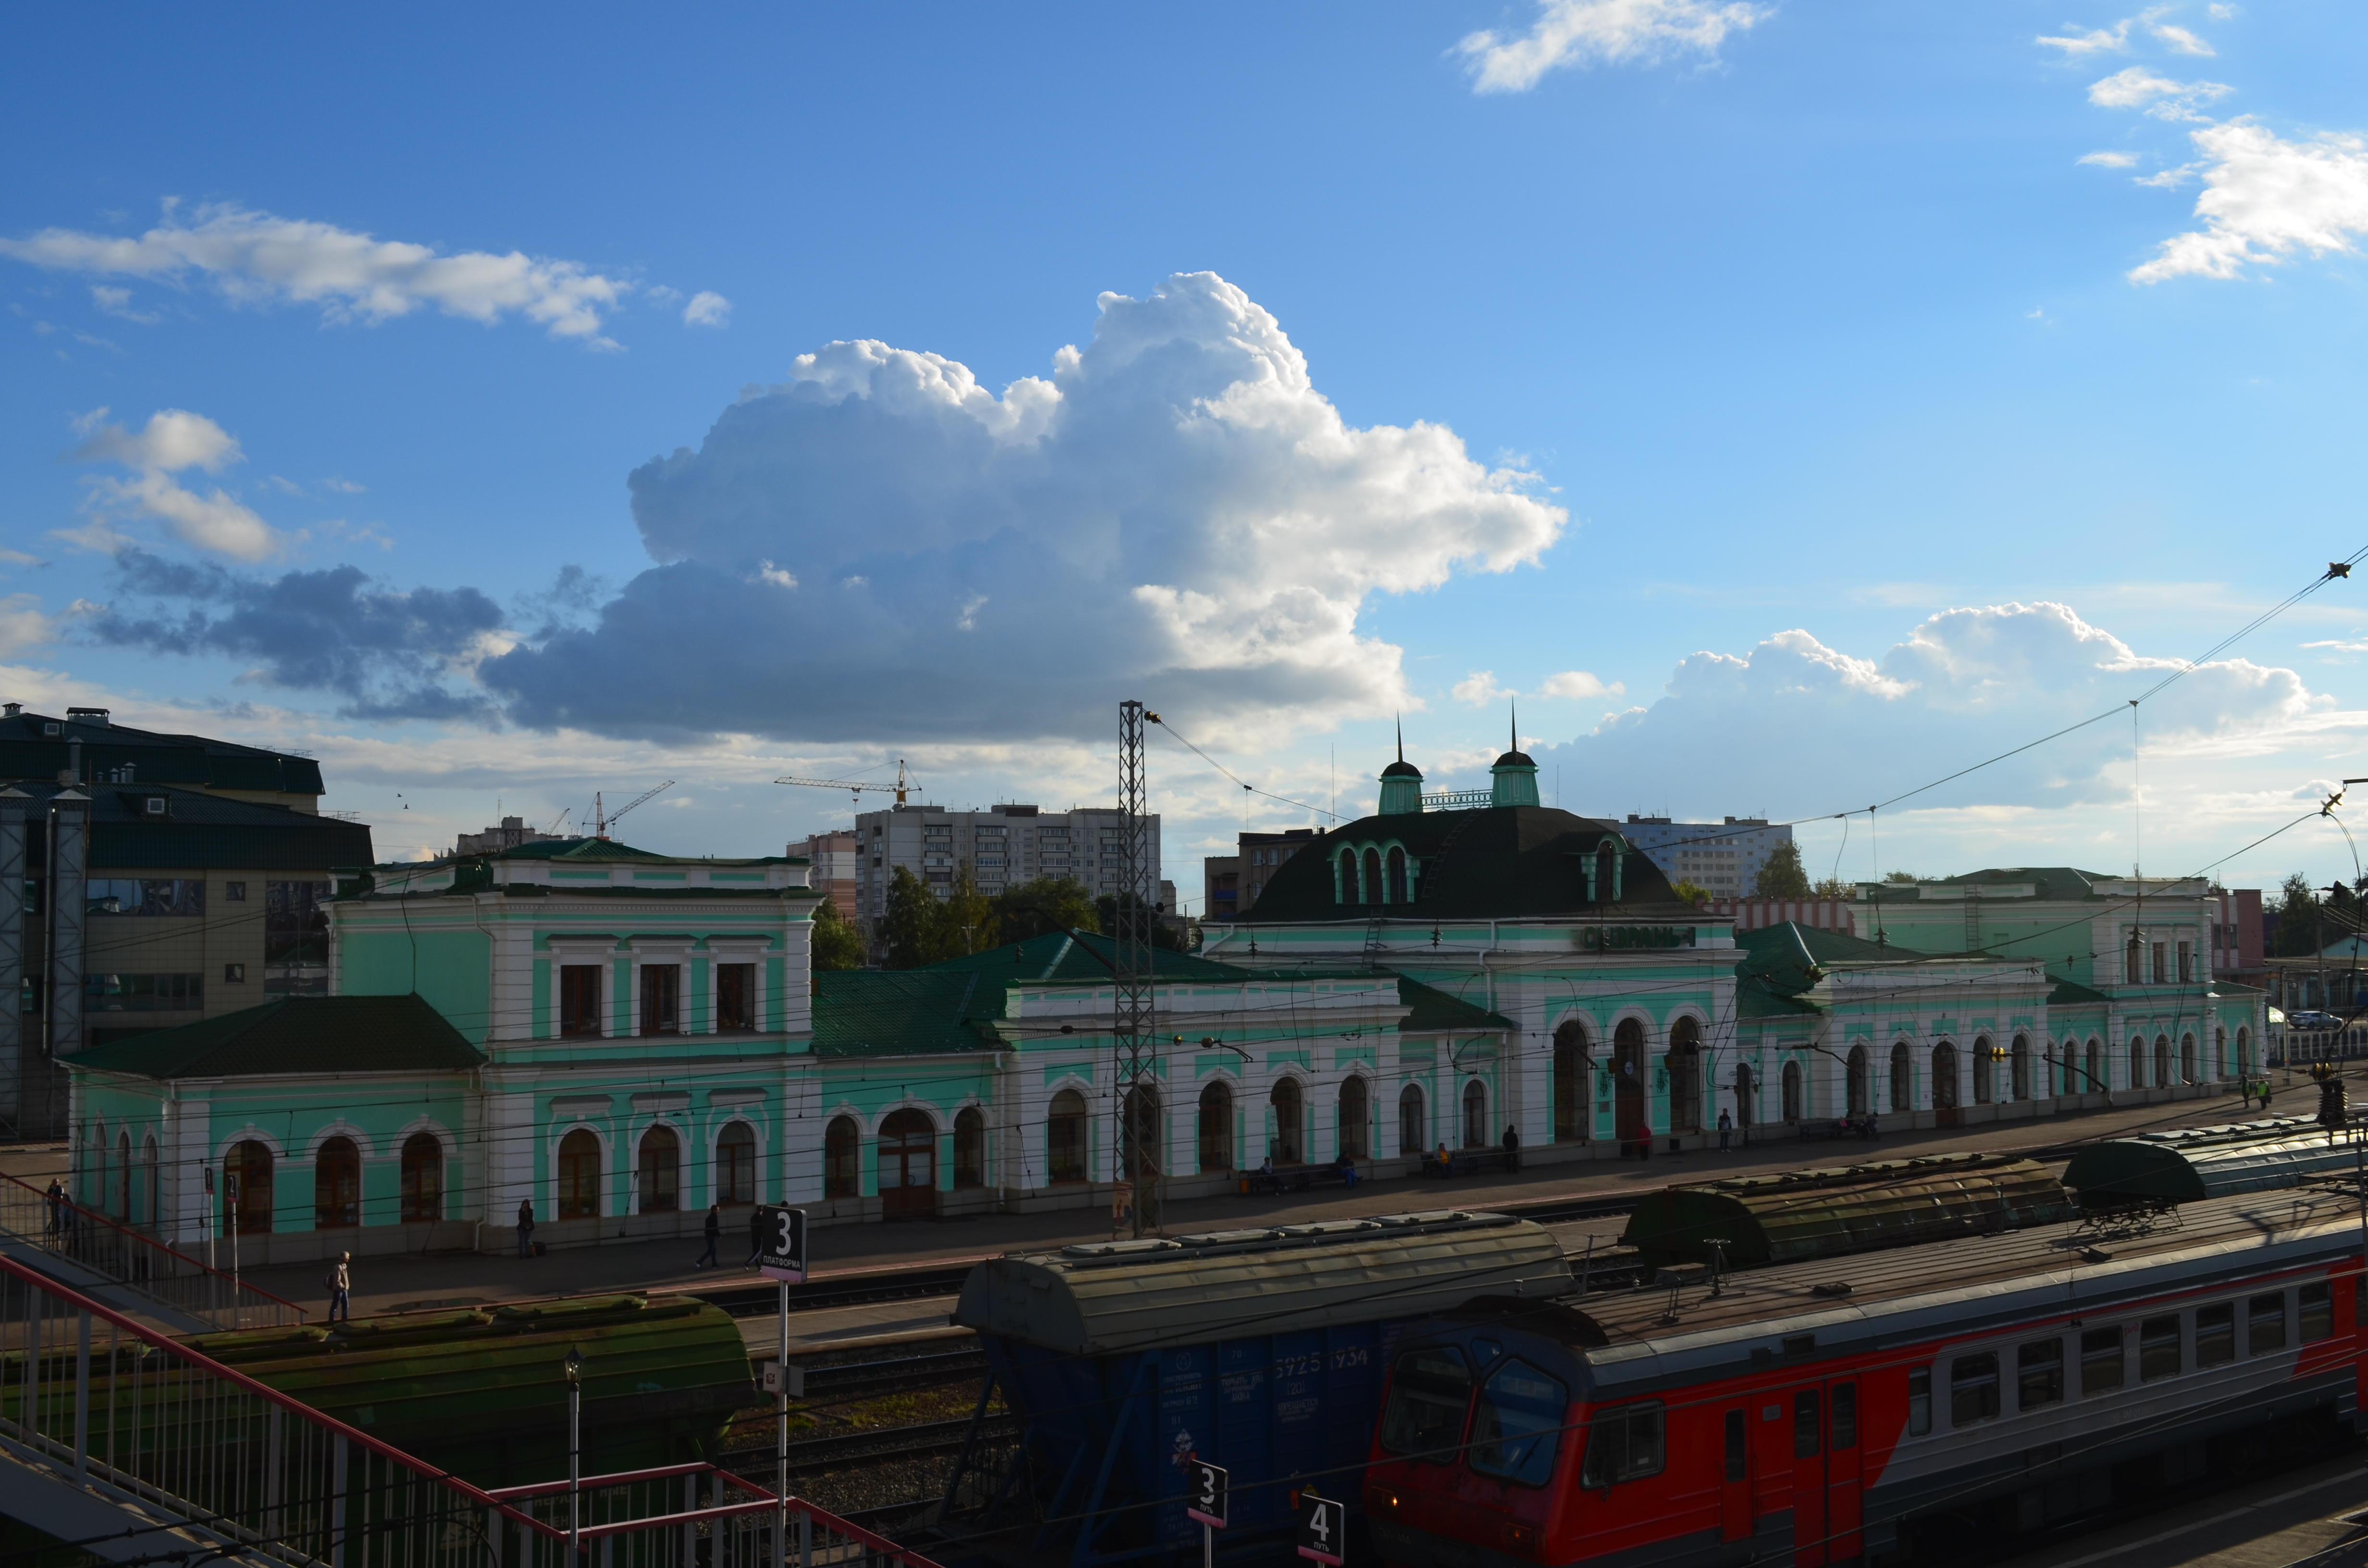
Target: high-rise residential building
(831, 854)
(511, 834)
(1231, 883)
(1723, 859)
(1003, 846)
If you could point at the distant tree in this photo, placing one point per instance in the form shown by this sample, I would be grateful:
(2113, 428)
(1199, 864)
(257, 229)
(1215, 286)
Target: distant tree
(837, 944)
(1909, 878)
(970, 918)
(2298, 918)
(1782, 875)
(1047, 905)
(1163, 935)
(1692, 892)
(917, 929)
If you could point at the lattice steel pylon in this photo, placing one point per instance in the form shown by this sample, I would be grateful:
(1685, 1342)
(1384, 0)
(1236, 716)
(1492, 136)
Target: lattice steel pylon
(1135, 1045)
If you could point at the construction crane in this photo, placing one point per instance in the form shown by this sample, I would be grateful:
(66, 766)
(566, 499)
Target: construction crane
(558, 822)
(901, 787)
(603, 818)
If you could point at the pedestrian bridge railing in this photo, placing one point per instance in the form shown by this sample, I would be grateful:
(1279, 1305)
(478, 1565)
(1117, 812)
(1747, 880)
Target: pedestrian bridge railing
(80, 1235)
(119, 1439)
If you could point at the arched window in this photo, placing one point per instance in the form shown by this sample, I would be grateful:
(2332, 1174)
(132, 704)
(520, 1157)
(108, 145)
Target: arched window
(1346, 869)
(337, 1185)
(2245, 1051)
(423, 1178)
(2019, 1068)
(2092, 1067)
(1413, 1134)
(908, 1164)
(1354, 1114)
(1685, 1075)
(123, 1178)
(1476, 1116)
(1944, 1076)
(1287, 1148)
(1903, 1078)
(1373, 876)
(2162, 1077)
(660, 1185)
(842, 1163)
(1984, 1079)
(1142, 1157)
(579, 1175)
(1571, 1089)
(249, 1210)
(1857, 1098)
(1216, 1129)
(1064, 1137)
(2133, 962)
(1746, 1092)
(970, 1148)
(1398, 875)
(735, 1163)
(151, 1191)
(1793, 1097)
(2137, 1064)
(2187, 1058)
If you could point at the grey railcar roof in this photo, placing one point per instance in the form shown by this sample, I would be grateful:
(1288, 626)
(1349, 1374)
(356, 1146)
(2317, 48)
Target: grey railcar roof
(1910, 1295)
(2188, 1163)
(1118, 1297)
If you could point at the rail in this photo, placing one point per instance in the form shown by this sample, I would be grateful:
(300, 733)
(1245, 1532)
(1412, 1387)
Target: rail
(102, 1417)
(81, 1234)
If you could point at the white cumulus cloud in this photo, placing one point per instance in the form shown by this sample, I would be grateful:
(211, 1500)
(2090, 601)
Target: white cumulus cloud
(707, 309)
(22, 624)
(1480, 689)
(2137, 87)
(2264, 199)
(2078, 41)
(2109, 160)
(2180, 41)
(257, 257)
(1610, 32)
(173, 441)
(1578, 685)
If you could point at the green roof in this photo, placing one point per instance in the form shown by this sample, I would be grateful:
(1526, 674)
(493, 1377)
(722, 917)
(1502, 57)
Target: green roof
(906, 1012)
(1788, 957)
(1755, 998)
(291, 1035)
(2072, 994)
(1497, 862)
(1078, 956)
(1436, 1012)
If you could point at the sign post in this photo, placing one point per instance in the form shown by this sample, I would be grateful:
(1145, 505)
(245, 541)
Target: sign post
(1207, 1504)
(783, 1259)
(1322, 1525)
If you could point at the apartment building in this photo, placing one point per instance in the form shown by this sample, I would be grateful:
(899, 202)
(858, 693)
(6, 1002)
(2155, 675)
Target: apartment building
(1723, 859)
(512, 834)
(832, 856)
(1231, 883)
(1004, 846)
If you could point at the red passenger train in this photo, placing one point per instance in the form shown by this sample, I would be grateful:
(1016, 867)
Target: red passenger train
(1804, 1413)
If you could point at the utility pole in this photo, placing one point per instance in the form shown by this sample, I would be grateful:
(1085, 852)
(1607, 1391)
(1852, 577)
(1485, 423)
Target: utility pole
(1140, 1115)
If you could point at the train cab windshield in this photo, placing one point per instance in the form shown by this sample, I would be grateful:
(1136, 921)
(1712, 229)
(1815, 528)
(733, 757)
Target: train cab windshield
(1517, 1429)
(1430, 1392)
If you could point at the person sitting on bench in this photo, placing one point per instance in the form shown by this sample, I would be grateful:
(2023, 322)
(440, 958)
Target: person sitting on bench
(1347, 1164)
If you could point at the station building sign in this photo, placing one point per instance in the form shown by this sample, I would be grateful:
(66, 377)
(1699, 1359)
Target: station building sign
(1634, 938)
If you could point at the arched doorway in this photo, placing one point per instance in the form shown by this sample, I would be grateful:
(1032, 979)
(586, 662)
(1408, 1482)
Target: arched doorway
(1288, 1147)
(1629, 1121)
(337, 1185)
(1397, 888)
(1745, 1092)
(1476, 1116)
(1414, 1135)
(1216, 1129)
(2017, 1075)
(2092, 1066)
(123, 1178)
(1903, 1078)
(423, 1178)
(735, 1163)
(908, 1165)
(1065, 1138)
(2187, 1058)
(1945, 1085)
(970, 1148)
(579, 1175)
(659, 1186)
(152, 1195)
(2244, 1052)
(1794, 1098)
(2162, 1078)
(1984, 1073)
(2137, 1064)
(1685, 1075)
(842, 1158)
(248, 1169)
(1570, 1086)
(1855, 1091)
(1373, 876)
(1356, 1115)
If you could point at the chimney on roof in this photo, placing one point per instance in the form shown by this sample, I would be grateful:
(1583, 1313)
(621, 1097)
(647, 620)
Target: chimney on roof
(12, 709)
(88, 716)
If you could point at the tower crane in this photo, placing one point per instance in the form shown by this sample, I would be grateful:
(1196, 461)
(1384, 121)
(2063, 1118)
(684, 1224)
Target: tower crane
(603, 818)
(900, 789)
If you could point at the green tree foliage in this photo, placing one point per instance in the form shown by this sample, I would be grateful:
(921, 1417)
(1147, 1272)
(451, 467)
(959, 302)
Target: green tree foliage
(837, 944)
(1692, 894)
(1782, 875)
(1833, 888)
(1909, 878)
(914, 930)
(2298, 918)
(1163, 935)
(970, 917)
(1048, 904)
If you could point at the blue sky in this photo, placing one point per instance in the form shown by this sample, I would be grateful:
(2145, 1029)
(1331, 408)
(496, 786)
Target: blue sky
(1792, 403)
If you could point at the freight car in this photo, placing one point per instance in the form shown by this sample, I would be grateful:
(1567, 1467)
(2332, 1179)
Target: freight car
(1788, 1216)
(1261, 1350)
(2183, 1164)
(1808, 1411)
(484, 1393)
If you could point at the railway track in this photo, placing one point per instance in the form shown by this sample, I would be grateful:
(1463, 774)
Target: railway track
(810, 1455)
(818, 1295)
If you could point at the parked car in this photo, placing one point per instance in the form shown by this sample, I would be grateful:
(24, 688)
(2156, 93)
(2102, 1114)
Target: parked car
(2313, 1019)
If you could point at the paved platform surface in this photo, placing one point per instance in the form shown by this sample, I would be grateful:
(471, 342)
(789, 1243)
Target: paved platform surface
(388, 1284)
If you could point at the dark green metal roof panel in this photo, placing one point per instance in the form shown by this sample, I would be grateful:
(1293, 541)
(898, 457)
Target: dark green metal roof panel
(294, 1034)
(1436, 1012)
(909, 1012)
(2187, 1163)
(155, 756)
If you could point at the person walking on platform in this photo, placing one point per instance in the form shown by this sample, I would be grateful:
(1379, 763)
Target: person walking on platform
(341, 1284)
(525, 1227)
(1512, 1147)
(756, 1235)
(1726, 1131)
(714, 1236)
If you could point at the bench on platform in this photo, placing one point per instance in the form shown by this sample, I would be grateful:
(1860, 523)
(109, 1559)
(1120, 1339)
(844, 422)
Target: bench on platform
(1296, 1178)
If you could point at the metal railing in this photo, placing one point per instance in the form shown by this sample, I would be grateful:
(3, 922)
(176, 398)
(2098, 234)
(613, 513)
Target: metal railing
(96, 1408)
(81, 1234)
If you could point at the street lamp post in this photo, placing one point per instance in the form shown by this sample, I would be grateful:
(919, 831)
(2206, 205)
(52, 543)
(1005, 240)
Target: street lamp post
(574, 1365)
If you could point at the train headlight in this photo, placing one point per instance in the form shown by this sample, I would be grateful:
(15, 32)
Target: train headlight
(1520, 1538)
(1386, 1500)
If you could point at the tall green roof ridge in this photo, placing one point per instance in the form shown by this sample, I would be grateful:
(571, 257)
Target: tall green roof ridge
(324, 1035)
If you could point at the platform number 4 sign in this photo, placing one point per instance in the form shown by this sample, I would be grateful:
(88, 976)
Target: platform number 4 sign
(1321, 1524)
(783, 1252)
(1207, 1505)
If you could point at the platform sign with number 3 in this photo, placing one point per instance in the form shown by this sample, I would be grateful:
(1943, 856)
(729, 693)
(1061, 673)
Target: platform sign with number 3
(784, 1256)
(1321, 1524)
(1206, 1504)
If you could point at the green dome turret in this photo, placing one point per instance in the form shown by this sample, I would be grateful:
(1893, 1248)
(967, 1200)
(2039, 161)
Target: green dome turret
(1401, 784)
(1513, 778)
